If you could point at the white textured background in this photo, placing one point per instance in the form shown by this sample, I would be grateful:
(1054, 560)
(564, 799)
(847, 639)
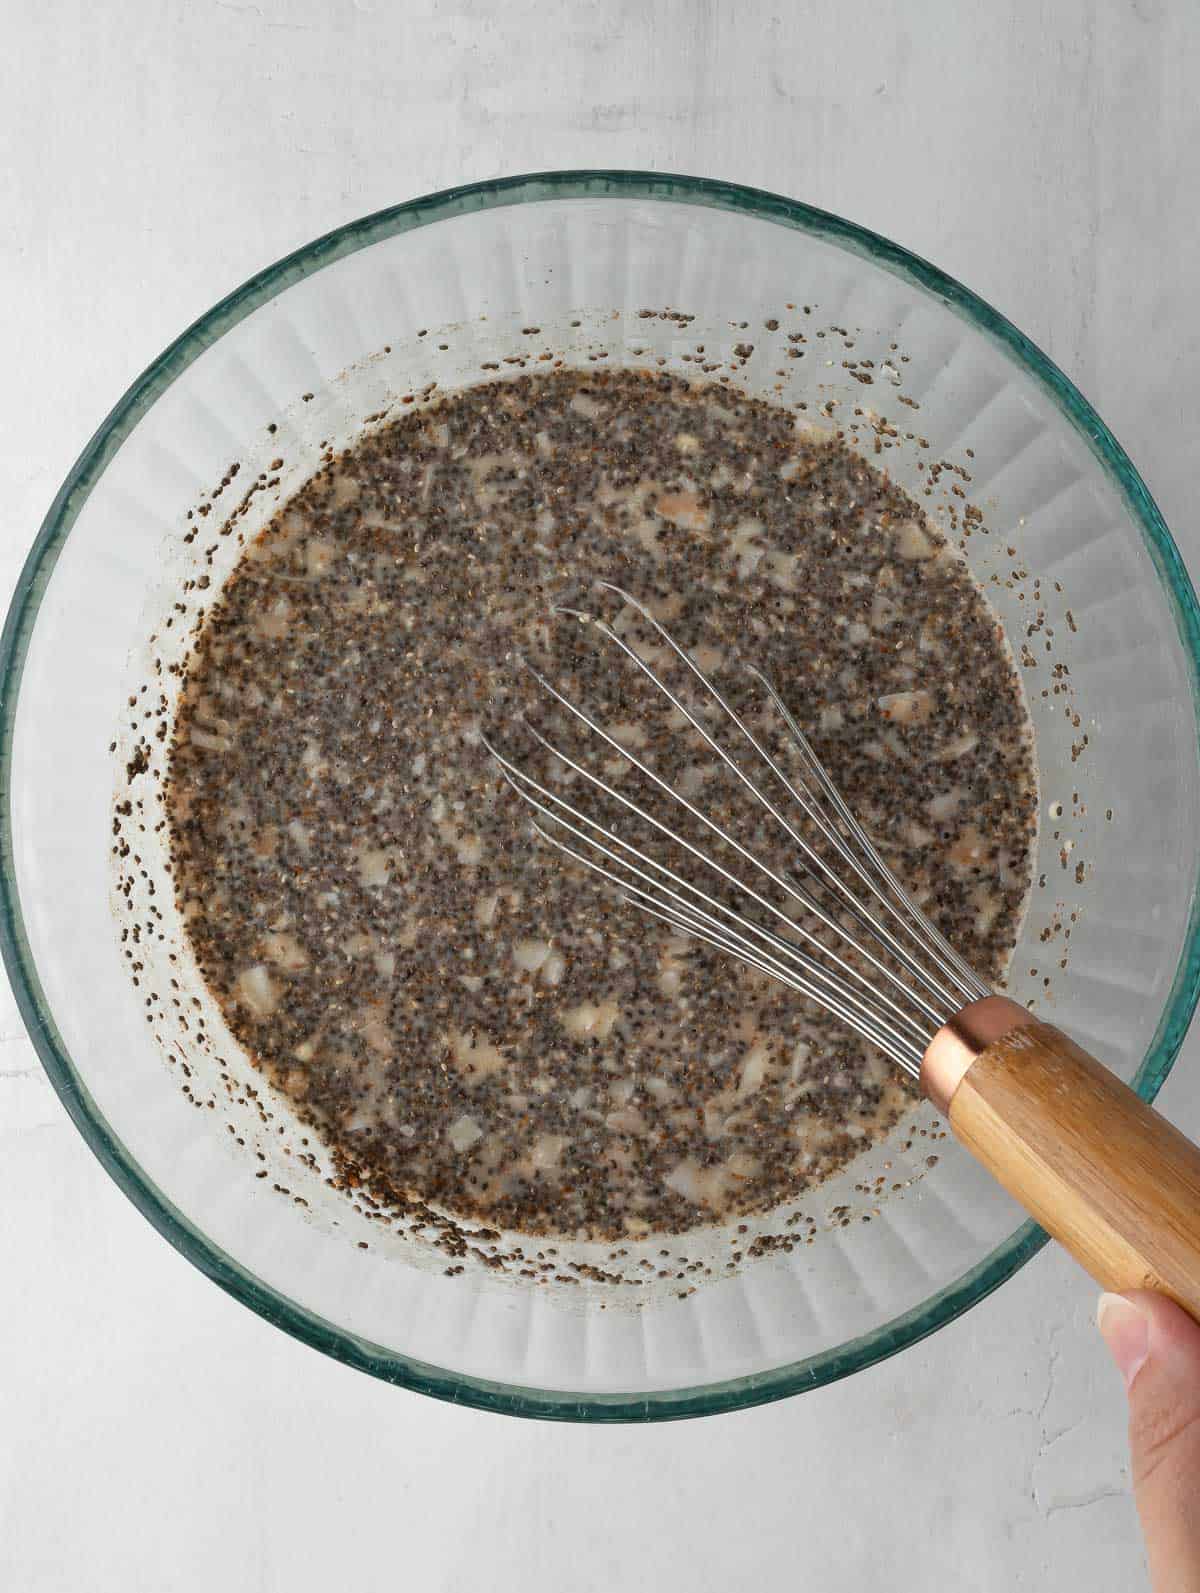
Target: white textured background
(153, 153)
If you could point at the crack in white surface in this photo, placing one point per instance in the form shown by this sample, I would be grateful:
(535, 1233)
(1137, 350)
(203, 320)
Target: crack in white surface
(1051, 1375)
(1048, 1440)
(1065, 1450)
(1095, 1496)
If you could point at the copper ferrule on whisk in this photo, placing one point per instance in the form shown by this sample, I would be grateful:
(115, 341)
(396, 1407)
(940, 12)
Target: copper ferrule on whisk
(955, 1046)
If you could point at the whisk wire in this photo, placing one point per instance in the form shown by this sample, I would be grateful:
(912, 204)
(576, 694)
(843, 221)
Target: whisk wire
(820, 987)
(931, 938)
(686, 913)
(912, 922)
(789, 887)
(898, 1014)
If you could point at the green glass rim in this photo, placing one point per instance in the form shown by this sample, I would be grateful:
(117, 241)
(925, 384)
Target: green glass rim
(277, 1308)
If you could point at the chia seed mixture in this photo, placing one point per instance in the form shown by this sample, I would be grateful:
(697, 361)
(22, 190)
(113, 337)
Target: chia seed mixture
(462, 1017)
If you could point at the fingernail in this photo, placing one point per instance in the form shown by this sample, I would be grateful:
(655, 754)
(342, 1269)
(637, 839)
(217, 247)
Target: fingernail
(1126, 1331)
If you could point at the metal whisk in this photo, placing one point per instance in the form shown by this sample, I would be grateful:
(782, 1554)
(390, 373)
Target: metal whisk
(1096, 1166)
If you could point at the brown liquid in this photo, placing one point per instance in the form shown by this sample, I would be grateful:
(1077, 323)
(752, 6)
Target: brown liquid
(463, 1018)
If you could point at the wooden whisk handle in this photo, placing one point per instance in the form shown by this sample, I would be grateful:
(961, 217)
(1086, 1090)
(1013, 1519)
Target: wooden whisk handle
(1100, 1170)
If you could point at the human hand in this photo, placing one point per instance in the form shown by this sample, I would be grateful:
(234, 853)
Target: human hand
(1156, 1346)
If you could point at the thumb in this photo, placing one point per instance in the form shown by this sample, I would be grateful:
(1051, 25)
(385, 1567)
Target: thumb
(1156, 1347)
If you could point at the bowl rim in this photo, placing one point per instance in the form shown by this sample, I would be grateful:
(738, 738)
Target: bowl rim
(274, 1306)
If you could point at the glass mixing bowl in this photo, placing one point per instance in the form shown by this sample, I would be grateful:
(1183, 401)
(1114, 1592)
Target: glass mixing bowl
(293, 364)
